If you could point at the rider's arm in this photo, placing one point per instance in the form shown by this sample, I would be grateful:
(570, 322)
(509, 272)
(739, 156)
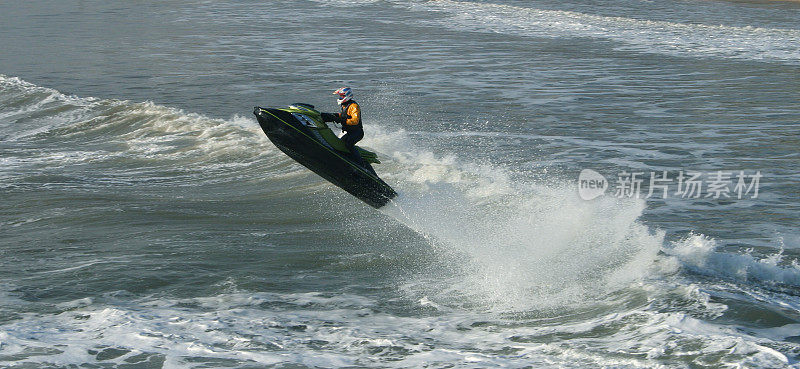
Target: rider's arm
(331, 117)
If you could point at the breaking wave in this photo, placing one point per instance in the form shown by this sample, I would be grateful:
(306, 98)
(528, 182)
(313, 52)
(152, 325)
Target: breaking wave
(510, 254)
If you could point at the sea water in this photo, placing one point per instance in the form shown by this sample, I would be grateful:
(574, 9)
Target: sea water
(147, 222)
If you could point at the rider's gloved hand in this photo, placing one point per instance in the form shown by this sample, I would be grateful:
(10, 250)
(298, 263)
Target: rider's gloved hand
(329, 117)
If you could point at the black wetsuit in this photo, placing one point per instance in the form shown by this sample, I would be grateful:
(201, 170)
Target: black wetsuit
(351, 124)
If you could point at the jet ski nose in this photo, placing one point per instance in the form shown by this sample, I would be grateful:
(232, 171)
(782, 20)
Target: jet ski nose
(256, 110)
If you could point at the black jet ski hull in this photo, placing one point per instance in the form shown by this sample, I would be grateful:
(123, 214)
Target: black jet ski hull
(298, 142)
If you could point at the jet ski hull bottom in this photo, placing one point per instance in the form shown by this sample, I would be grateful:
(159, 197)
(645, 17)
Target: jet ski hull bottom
(298, 137)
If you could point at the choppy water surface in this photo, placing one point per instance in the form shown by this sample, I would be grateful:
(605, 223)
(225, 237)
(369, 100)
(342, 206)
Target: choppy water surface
(147, 222)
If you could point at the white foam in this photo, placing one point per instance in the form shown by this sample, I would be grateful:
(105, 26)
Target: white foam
(21, 99)
(123, 131)
(699, 254)
(346, 3)
(527, 245)
(315, 329)
(663, 37)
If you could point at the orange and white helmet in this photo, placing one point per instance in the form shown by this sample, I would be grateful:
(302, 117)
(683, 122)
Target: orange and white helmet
(344, 95)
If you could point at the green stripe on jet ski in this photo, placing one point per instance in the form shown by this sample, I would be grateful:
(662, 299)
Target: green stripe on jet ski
(371, 176)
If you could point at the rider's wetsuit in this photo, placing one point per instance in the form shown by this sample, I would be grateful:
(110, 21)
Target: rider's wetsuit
(350, 119)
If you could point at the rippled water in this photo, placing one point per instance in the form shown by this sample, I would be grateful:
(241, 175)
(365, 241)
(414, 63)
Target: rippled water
(147, 222)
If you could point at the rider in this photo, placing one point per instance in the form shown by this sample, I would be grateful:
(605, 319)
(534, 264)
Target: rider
(349, 118)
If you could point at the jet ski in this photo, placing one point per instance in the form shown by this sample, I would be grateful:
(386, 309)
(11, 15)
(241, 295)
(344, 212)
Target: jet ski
(299, 132)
